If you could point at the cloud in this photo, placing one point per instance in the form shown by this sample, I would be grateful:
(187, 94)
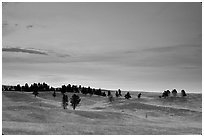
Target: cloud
(4, 24)
(174, 57)
(63, 55)
(29, 26)
(34, 56)
(174, 48)
(30, 51)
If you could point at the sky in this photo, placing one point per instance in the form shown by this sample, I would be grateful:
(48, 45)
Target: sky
(131, 46)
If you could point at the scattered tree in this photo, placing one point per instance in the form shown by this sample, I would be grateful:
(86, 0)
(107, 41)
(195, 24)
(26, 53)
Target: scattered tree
(109, 93)
(166, 93)
(139, 95)
(127, 96)
(35, 92)
(119, 92)
(65, 101)
(35, 89)
(75, 99)
(183, 93)
(116, 94)
(174, 92)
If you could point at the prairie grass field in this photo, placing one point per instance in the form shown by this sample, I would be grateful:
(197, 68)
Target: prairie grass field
(24, 114)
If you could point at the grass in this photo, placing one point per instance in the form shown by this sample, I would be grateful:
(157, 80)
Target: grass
(22, 113)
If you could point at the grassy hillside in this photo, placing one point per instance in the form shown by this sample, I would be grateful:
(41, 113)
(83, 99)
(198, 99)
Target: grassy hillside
(22, 113)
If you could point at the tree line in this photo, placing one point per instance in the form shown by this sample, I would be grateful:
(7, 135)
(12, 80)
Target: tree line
(35, 87)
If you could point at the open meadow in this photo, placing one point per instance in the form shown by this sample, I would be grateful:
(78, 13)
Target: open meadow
(22, 113)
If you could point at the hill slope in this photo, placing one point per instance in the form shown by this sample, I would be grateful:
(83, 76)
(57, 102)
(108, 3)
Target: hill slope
(22, 113)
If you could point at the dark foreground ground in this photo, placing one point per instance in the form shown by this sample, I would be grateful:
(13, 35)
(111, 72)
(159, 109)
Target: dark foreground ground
(22, 113)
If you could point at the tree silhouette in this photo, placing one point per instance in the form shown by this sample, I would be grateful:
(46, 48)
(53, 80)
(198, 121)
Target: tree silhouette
(26, 88)
(69, 88)
(94, 91)
(35, 89)
(139, 95)
(35, 92)
(79, 87)
(90, 91)
(18, 87)
(84, 91)
(174, 92)
(65, 101)
(119, 92)
(116, 94)
(52, 89)
(43, 87)
(183, 93)
(109, 93)
(127, 96)
(103, 94)
(98, 92)
(64, 89)
(75, 89)
(75, 99)
(166, 93)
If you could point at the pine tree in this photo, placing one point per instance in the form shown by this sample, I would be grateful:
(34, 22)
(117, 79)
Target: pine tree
(75, 99)
(174, 92)
(127, 96)
(183, 93)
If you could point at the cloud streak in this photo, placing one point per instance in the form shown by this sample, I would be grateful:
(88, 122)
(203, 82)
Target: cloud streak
(29, 51)
(178, 56)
